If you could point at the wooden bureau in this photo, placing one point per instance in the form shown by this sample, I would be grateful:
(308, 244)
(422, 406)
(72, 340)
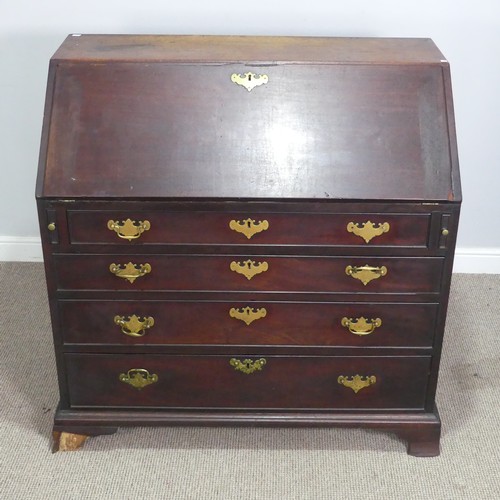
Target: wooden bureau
(248, 231)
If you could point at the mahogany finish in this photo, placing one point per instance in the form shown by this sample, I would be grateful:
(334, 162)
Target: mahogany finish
(285, 323)
(211, 382)
(152, 128)
(291, 274)
(204, 228)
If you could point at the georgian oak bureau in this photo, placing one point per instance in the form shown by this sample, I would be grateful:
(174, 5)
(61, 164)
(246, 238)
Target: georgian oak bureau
(248, 231)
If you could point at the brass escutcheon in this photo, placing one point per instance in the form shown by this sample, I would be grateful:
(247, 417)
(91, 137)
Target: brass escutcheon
(249, 268)
(249, 227)
(368, 230)
(129, 229)
(134, 326)
(130, 271)
(357, 382)
(247, 365)
(247, 314)
(249, 80)
(366, 273)
(138, 378)
(361, 326)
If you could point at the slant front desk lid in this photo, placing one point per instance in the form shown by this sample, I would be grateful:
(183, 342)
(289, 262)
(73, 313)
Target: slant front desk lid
(248, 118)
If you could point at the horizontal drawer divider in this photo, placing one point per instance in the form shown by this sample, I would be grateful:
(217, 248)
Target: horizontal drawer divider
(173, 249)
(257, 350)
(275, 250)
(204, 295)
(244, 206)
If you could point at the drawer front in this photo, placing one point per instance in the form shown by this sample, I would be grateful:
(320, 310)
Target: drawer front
(154, 227)
(258, 273)
(247, 323)
(262, 382)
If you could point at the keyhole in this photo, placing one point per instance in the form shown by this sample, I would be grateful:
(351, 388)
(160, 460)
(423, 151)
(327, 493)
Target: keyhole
(249, 78)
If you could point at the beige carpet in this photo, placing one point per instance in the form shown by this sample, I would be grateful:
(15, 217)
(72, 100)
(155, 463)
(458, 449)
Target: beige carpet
(247, 464)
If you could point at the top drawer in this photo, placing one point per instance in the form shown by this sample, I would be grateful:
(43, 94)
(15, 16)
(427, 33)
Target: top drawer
(240, 228)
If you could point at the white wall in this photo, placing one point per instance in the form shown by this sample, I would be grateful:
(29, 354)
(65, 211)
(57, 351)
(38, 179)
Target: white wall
(468, 33)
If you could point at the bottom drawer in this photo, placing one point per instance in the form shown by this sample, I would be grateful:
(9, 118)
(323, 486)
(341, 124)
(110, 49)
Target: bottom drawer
(271, 382)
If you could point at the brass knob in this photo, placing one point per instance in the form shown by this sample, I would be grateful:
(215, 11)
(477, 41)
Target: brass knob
(51, 226)
(445, 232)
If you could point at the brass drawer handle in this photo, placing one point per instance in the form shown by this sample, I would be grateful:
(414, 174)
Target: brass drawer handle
(247, 365)
(361, 326)
(368, 230)
(129, 229)
(249, 80)
(130, 271)
(134, 326)
(357, 382)
(247, 314)
(249, 268)
(249, 227)
(366, 273)
(138, 378)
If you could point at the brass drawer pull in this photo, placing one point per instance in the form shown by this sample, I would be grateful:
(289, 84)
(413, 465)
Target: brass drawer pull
(357, 382)
(134, 326)
(247, 314)
(130, 271)
(247, 365)
(249, 80)
(368, 230)
(361, 326)
(249, 268)
(366, 273)
(249, 227)
(129, 229)
(138, 378)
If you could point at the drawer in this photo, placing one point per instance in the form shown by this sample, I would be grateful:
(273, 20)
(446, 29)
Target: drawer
(247, 323)
(256, 381)
(242, 228)
(240, 273)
